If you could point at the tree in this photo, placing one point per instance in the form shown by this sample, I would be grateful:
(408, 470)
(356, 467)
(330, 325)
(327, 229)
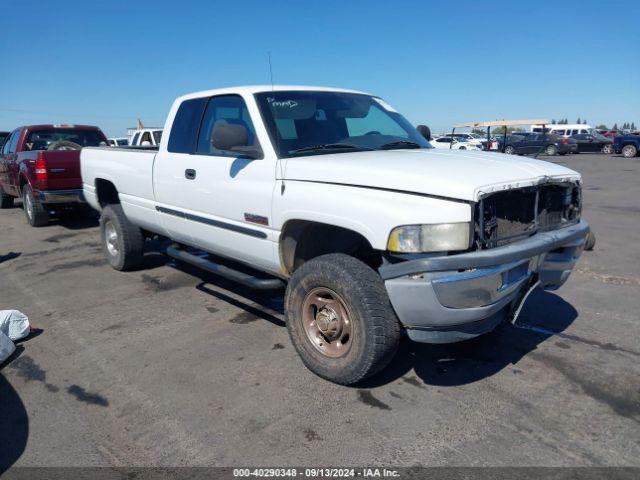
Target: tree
(584, 122)
(579, 122)
(500, 130)
(602, 126)
(615, 126)
(553, 122)
(633, 126)
(479, 131)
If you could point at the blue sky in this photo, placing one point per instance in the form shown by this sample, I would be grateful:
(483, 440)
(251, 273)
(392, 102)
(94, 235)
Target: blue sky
(109, 62)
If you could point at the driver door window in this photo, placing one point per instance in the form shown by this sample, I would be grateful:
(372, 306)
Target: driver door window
(229, 109)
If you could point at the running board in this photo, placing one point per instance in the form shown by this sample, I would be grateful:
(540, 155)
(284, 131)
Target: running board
(226, 272)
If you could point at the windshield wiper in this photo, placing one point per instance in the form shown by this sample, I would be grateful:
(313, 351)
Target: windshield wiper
(399, 144)
(330, 146)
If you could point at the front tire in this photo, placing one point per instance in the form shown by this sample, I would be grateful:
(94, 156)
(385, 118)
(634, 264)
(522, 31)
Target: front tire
(36, 214)
(122, 242)
(510, 150)
(340, 319)
(6, 201)
(629, 151)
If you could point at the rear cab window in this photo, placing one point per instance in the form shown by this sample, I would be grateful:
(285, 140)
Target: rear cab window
(185, 126)
(44, 139)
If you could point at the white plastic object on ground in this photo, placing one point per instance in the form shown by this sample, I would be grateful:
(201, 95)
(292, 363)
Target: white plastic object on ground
(14, 324)
(6, 347)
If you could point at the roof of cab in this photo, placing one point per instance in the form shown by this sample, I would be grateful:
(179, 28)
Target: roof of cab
(55, 126)
(251, 89)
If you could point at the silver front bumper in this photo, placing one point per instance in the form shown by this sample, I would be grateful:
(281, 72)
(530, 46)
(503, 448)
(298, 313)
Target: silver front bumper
(61, 196)
(452, 298)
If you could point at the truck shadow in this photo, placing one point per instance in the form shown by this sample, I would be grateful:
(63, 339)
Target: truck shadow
(14, 421)
(76, 220)
(544, 314)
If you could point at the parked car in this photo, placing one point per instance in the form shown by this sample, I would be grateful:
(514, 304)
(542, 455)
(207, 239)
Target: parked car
(548, 144)
(334, 193)
(454, 143)
(3, 137)
(469, 137)
(627, 145)
(41, 164)
(612, 133)
(118, 142)
(146, 137)
(565, 130)
(593, 142)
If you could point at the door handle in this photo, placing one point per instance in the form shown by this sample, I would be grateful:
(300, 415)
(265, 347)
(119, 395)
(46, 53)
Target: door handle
(190, 174)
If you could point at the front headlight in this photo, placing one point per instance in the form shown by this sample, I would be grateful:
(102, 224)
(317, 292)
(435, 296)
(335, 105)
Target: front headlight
(439, 237)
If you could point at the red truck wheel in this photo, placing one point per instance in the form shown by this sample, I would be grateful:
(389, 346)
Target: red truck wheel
(36, 214)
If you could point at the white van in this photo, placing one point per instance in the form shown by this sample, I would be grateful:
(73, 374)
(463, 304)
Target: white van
(564, 130)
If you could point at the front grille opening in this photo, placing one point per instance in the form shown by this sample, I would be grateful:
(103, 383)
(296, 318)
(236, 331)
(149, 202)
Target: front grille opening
(557, 204)
(505, 217)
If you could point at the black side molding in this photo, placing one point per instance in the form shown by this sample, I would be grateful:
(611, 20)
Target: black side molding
(214, 223)
(226, 272)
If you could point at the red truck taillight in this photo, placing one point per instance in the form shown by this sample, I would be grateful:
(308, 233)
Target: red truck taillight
(564, 141)
(41, 167)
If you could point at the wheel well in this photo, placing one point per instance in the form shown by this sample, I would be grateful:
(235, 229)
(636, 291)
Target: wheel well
(22, 181)
(106, 192)
(302, 240)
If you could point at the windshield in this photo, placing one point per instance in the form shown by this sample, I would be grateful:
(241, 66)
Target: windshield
(308, 122)
(157, 136)
(43, 139)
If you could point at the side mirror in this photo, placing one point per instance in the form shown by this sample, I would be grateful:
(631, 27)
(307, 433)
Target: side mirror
(424, 131)
(233, 138)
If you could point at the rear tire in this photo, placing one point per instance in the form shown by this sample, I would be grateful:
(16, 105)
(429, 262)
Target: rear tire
(36, 214)
(122, 242)
(6, 201)
(340, 319)
(607, 149)
(551, 150)
(510, 150)
(629, 151)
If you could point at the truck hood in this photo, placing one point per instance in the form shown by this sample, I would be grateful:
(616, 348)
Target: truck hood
(456, 174)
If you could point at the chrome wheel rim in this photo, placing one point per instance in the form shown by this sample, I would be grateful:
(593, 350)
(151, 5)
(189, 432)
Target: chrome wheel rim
(111, 239)
(327, 322)
(607, 149)
(28, 205)
(628, 152)
(551, 151)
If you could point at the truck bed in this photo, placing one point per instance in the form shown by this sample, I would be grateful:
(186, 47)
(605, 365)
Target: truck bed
(130, 170)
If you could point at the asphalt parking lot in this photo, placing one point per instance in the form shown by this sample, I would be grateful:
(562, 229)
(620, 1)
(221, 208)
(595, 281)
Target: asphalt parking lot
(171, 366)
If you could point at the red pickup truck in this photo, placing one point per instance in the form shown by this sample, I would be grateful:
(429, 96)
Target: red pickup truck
(41, 164)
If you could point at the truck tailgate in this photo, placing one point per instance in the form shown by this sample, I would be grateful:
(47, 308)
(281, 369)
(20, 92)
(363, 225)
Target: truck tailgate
(63, 170)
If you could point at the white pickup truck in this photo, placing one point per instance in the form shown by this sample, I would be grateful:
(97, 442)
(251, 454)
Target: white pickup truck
(146, 137)
(335, 195)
